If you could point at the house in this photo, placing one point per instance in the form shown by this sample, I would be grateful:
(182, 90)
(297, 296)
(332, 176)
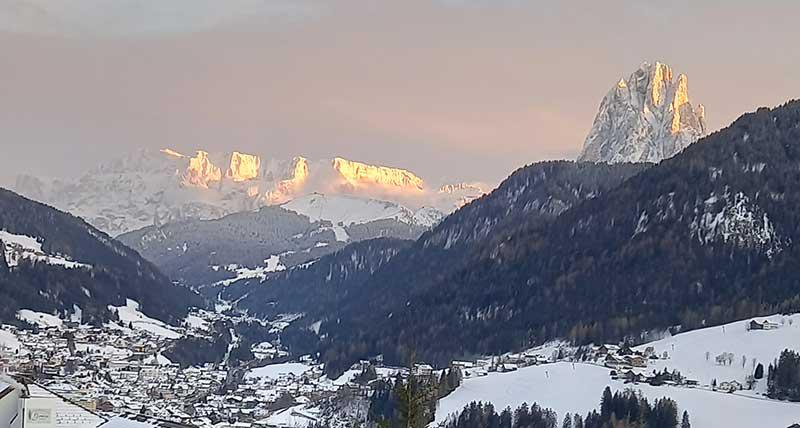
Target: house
(636, 361)
(762, 325)
(611, 361)
(463, 364)
(479, 372)
(508, 367)
(731, 386)
(631, 376)
(423, 370)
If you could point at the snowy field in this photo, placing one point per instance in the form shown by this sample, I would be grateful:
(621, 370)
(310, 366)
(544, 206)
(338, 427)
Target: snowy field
(275, 371)
(9, 341)
(39, 318)
(17, 247)
(131, 315)
(565, 389)
(687, 351)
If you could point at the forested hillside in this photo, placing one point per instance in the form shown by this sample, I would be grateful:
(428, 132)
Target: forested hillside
(705, 237)
(54, 263)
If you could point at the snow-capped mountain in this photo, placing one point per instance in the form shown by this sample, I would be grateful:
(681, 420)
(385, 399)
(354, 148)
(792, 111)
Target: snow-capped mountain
(152, 188)
(647, 117)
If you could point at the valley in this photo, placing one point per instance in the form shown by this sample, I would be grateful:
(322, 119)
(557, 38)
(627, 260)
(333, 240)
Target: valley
(304, 215)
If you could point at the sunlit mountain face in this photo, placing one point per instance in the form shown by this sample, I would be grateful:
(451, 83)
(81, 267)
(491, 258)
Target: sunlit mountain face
(153, 187)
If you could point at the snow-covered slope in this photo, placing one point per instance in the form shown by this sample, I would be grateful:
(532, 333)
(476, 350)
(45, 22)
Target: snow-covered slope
(55, 264)
(131, 316)
(346, 210)
(17, 247)
(254, 244)
(567, 388)
(687, 351)
(147, 187)
(645, 118)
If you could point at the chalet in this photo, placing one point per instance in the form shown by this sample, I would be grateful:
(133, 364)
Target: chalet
(423, 370)
(625, 350)
(612, 361)
(508, 367)
(635, 361)
(731, 386)
(478, 372)
(762, 325)
(463, 364)
(630, 376)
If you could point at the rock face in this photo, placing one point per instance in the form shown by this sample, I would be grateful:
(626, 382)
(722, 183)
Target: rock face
(646, 118)
(359, 174)
(158, 187)
(243, 167)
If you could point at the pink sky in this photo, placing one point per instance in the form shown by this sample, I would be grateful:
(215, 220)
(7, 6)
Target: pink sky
(468, 89)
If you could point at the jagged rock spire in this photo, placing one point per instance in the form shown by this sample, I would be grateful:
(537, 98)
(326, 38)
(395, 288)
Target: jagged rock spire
(645, 118)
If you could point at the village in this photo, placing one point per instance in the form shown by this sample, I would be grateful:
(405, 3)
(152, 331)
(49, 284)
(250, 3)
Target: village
(121, 371)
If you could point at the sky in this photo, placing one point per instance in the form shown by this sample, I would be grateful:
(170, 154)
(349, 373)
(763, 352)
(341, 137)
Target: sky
(450, 89)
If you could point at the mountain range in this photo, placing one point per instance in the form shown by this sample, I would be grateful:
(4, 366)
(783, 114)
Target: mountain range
(691, 234)
(255, 244)
(588, 252)
(153, 188)
(702, 238)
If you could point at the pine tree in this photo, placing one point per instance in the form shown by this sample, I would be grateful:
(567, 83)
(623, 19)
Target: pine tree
(3, 263)
(416, 401)
(506, 418)
(606, 404)
(685, 420)
(578, 423)
(567, 421)
(759, 374)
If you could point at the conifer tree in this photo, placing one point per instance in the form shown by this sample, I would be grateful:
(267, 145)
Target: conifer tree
(567, 421)
(685, 420)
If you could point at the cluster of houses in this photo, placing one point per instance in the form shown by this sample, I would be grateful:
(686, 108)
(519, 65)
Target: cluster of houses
(114, 371)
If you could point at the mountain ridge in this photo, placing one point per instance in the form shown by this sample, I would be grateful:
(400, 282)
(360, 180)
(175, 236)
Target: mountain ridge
(653, 253)
(149, 187)
(54, 262)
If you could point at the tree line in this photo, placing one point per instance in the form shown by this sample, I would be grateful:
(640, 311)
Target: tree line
(626, 409)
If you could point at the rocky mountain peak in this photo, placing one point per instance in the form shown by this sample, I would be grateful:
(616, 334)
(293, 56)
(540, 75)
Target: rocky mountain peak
(647, 117)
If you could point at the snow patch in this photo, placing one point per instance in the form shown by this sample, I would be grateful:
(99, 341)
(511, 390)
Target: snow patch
(39, 318)
(274, 371)
(18, 247)
(130, 315)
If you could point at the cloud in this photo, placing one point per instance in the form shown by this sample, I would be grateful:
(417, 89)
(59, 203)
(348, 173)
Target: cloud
(141, 17)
